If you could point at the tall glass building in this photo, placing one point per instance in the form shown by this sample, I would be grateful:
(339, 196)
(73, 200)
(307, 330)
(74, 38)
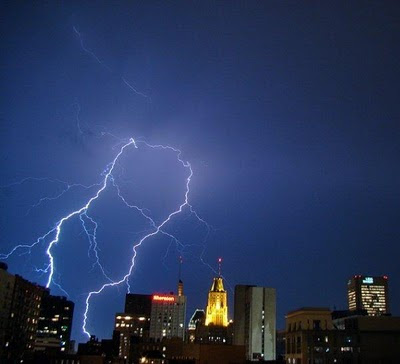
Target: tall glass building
(368, 293)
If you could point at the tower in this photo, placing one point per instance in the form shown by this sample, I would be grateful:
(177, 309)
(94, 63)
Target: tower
(168, 313)
(255, 321)
(180, 283)
(217, 304)
(368, 293)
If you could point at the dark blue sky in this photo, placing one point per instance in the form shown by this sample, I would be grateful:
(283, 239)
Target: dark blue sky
(288, 112)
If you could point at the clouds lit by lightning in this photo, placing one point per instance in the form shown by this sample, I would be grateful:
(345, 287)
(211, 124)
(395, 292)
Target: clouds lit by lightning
(90, 226)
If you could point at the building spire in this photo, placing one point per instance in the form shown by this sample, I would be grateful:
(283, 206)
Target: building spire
(217, 303)
(180, 283)
(180, 267)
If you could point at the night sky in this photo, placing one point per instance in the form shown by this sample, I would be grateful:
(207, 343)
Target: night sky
(288, 113)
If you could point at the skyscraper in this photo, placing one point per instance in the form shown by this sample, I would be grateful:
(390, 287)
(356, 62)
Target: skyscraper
(255, 321)
(368, 293)
(7, 282)
(22, 301)
(167, 316)
(133, 325)
(138, 304)
(217, 303)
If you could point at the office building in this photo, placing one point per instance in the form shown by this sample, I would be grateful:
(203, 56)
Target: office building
(366, 339)
(309, 336)
(19, 316)
(130, 329)
(133, 325)
(317, 335)
(138, 304)
(7, 282)
(54, 324)
(167, 316)
(195, 321)
(255, 321)
(168, 313)
(368, 293)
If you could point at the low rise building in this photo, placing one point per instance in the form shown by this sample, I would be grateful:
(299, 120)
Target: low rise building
(317, 335)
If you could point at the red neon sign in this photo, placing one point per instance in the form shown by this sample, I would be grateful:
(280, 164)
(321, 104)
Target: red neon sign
(157, 297)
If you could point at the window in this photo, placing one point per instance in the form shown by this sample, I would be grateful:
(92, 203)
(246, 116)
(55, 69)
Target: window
(317, 324)
(298, 345)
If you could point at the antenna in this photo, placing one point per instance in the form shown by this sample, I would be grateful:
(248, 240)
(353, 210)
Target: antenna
(180, 267)
(180, 283)
(219, 266)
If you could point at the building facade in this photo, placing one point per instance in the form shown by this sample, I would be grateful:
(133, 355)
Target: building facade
(255, 321)
(138, 304)
(133, 325)
(217, 304)
(366, 339)
(168, 314)
(22, 302)
(7, 282)
(368, 293)
(130, 329)
(195, 321)
(319, 336)
(308, 336)
(54, 323)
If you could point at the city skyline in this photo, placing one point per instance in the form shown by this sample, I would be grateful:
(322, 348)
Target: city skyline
(140, 304)
(287, 115)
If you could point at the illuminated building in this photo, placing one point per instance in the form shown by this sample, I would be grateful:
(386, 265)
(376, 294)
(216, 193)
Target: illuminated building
(54, 324)
(195, 321)
(167, 316)
(368, 293)
(130, 329)
(217, 304)
(255, 321)
(211, 334)
(20, 318)
(133, 325)
(213, 327)
(7, 282)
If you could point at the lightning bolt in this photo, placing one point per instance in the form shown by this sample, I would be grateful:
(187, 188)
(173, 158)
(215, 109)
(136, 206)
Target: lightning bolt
(99, 61)
(92, 236)
(90, 226)
(88, 51)
(157, 228)
(82, 210)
